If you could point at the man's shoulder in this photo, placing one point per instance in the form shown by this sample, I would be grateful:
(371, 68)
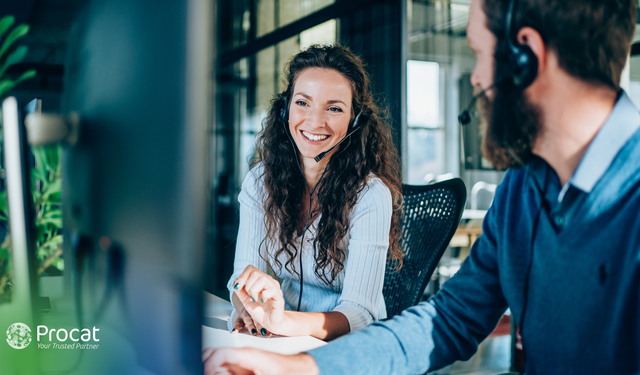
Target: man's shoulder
(514, 185)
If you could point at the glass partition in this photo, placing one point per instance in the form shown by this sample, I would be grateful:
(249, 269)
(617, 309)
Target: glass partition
(245, 20)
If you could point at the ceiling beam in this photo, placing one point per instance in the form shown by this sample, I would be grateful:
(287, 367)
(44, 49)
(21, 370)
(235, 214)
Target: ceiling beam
(20, 9)
(323, 15)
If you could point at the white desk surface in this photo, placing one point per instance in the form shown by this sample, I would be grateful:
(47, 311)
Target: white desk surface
(215, 333)
(474, 214)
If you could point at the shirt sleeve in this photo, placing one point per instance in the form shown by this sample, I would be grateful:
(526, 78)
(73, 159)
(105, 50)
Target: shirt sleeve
(251, 231)
(435, 333)
(361, 297)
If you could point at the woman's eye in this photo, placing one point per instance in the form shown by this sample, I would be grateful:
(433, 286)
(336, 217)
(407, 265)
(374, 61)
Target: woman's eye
(301, 103)
(335, 109)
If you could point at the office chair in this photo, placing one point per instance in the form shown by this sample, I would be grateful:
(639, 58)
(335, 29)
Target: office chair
(431, 217)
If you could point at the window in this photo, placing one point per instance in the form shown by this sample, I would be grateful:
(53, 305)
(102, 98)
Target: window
(425, 132)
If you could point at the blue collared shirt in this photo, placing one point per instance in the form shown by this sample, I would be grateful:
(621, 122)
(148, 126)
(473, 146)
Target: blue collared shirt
(621, 125)
(615, 133)
(582, 304)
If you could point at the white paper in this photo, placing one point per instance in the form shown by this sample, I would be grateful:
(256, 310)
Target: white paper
(216, 335)
(217, 338)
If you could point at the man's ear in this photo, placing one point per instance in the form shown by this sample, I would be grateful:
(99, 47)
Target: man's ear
(532, 38)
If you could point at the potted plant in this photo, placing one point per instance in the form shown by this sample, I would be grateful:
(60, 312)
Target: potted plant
(45, 177)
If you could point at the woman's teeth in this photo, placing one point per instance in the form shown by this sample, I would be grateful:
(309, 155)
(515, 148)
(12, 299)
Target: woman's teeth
(312, 137)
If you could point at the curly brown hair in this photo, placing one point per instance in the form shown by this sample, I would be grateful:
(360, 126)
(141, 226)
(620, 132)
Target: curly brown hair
(369, 152)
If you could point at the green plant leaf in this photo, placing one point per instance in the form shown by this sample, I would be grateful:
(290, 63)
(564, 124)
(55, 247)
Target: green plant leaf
(50, 218)
(3, 203)
(57, 240)
(41, 162)
(5, 86)
(52, 245)
(14, 58)
(37, 197)
(49, 157)
(41, 231)
(54, 214)
(26, 75)
(53, 157)
(5, 24)
(56, 222)
(58, 263)
(53, 187)
(15, 34)
(36, 175)
(41, 254)
(55, 197)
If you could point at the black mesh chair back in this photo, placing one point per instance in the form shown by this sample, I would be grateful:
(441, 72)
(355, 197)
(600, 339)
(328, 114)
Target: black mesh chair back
(431, 217)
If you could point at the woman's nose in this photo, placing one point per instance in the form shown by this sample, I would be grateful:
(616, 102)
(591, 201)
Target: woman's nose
(316, 119)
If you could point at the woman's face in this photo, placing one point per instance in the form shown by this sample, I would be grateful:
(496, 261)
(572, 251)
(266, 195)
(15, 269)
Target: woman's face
(320, 110)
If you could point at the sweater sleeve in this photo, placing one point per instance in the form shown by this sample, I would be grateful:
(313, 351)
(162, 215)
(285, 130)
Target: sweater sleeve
(251, 231)
(361, 296)
(435, 333)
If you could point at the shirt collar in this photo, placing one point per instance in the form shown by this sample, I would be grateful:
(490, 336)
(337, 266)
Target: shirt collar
(623, 122)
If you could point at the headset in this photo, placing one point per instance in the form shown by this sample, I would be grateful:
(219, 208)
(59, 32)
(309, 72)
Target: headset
(522, 66)
(522, 70)
(284, 118)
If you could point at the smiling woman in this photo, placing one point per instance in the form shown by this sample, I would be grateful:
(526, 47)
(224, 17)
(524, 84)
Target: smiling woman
(319, 115)
(320, 208)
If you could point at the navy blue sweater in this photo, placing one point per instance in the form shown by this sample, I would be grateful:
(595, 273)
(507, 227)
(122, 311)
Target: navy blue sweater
(583, 299)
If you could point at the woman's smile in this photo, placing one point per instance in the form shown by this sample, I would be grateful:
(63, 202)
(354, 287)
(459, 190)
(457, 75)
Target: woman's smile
(320, 111)
(313, 137)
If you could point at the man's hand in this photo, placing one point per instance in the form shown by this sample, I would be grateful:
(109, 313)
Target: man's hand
(247, 361)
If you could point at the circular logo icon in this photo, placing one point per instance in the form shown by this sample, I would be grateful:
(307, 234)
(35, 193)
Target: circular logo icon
(18, 335)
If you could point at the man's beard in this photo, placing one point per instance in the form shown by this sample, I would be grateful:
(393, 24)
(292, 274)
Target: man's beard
(509, 121)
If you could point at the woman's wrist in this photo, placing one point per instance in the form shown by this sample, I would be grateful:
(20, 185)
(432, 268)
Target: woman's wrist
(291, 325)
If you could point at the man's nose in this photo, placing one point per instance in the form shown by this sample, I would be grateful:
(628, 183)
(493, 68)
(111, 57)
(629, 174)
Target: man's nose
(475, 79)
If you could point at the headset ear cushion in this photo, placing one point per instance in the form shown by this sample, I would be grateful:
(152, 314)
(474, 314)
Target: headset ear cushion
(284, 111)
(525, 66)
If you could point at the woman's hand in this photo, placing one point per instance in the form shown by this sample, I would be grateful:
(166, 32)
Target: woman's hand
(262, 298)
(244, 320)
(246, 361)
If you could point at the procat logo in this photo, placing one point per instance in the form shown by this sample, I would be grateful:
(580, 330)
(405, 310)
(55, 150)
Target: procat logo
(18, 335)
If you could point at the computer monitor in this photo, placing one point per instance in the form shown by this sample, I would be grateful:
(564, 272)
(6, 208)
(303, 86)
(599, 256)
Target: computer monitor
(19, 355)
(135, 201)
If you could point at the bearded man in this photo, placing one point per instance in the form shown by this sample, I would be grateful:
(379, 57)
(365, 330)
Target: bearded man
(561, 242)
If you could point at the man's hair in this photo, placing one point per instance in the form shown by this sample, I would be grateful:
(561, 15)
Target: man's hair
(590, 37)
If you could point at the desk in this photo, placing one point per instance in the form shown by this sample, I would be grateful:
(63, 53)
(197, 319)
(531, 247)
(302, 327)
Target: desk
(215, 333)
(473, 214)
(468, 233)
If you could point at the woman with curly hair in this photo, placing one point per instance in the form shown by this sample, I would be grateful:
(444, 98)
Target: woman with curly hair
(320, 208)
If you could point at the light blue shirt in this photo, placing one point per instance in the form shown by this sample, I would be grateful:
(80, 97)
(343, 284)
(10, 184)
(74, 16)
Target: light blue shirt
(615, 132)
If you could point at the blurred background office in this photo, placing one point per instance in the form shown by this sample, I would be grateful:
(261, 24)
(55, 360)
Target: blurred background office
(417, 57)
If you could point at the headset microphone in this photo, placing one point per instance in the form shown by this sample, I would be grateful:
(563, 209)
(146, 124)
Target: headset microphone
(355, 128)
(465, 116)
(284, 117)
